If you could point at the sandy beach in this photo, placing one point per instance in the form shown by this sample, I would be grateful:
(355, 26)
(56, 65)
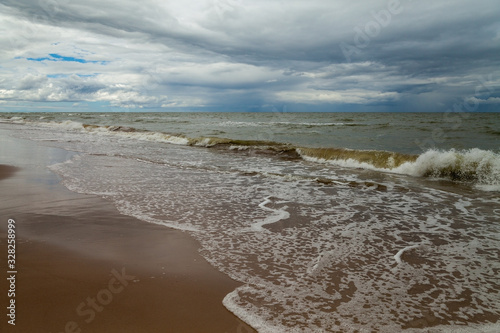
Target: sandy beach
(84, 267)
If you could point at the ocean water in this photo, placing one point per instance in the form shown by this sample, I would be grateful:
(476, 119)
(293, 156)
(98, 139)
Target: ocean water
(374, 222)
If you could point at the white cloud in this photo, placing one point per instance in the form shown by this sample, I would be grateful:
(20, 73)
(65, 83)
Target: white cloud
(490, 100)
(213, 53)
(339, 97)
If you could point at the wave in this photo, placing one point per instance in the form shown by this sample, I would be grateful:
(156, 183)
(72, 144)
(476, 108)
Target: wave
(472, 165)
(123, 131)
(12, 120)
(370, 159)
(476, 166)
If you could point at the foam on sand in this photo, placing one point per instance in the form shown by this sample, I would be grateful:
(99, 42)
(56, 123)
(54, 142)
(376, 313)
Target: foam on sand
(278, 214)
(398, 255)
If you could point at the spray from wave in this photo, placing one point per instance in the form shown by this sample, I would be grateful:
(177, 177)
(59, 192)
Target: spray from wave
(481, 167)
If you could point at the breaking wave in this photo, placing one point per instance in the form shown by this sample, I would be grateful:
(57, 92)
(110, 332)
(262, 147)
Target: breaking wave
(477, 166)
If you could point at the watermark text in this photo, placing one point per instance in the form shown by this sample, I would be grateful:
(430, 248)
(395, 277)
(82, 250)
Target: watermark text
(11, 271)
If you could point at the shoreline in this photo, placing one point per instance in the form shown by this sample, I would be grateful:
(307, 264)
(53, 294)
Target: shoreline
(73, 249)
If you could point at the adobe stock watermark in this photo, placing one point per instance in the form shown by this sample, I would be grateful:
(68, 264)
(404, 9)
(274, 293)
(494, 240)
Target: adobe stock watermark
(11, 271)
(372, 29)
(459, 112)
(224, 7)
(89, 308)
(267, 133)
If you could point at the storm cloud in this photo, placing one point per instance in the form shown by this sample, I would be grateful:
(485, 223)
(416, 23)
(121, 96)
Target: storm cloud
(238, 55)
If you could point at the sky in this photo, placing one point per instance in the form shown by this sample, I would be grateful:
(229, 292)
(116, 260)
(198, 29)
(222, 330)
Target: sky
(256, 56)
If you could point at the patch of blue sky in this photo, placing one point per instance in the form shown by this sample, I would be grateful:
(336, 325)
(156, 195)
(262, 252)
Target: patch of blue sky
(60, 75)
(87, 75)
(58, 57)
(56, 76)
(63, 58)
(40, 59)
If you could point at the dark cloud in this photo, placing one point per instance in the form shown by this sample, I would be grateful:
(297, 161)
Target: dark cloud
(252, 55)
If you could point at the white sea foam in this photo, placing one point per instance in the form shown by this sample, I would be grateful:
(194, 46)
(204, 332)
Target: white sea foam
(66, 125)
(118, 131)
(278, 214)
(12, 120)
(205, 142)
(157, 137)
(245, 313)
(488, 188)
(238, 147)
(482, 163)
(398, 255)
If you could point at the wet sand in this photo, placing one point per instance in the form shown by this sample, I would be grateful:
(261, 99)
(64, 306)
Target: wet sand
(6, 171)
(84, 267)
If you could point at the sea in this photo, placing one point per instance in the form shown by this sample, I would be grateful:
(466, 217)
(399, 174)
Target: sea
(331, 222)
